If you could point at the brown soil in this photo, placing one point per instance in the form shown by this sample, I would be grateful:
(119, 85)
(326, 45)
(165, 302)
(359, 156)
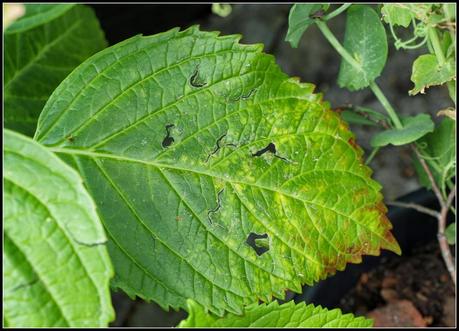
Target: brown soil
(419, 282)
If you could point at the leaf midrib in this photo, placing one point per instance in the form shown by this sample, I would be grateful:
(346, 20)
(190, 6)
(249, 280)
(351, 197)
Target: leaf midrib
(97, 155)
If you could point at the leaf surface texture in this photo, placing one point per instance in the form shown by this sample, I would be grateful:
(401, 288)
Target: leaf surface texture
(218, 177)
(56, 265)
(273, 315)
(41, 49)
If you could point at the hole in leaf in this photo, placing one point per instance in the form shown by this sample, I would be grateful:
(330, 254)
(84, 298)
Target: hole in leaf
(259, 242)
(248, 95)
(218, 146)
(243, 96)
(217, 208)
(195, 80)
(271, 148)
(168, 140)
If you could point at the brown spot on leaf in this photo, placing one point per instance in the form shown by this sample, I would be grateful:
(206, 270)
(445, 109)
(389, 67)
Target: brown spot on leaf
(338, 110)
(352, 142)
(389, 242)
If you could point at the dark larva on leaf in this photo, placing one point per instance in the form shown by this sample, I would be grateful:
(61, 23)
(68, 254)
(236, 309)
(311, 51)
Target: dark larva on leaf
(195, 80)
(168, 140)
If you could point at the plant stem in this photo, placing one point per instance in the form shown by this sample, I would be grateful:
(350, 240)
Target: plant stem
(451, 18)
(374, 87)
(429, 175)
(372, 155)
(336, 12)
(436, 46)
(387, 106)
(336, 45)
(414, 206)
(445, 205)
(445, 252)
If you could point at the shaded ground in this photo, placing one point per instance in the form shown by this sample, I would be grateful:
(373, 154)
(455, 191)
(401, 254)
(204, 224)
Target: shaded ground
(419, 280)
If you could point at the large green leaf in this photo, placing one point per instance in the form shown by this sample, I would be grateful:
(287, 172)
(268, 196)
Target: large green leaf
(193, 145)
(428, 72)
(41, 49)
(299, 20)
(56, 265)
(273, 315)
(365, 39)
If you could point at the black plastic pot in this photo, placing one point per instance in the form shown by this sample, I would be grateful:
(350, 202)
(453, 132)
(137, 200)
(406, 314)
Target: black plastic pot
(411, 229)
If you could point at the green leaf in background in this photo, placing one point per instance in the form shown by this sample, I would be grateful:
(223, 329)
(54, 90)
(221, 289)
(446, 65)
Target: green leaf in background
(450, 233)
(365, 39)
(299, 20)
(428, 72)
(41, 49)
(372, 113)
(450, 10)
(397, 14)
(193, 146)
(355, 118)
(439, 151)
(221, 9)
(273, 315)
(56, 268)
(413, 128)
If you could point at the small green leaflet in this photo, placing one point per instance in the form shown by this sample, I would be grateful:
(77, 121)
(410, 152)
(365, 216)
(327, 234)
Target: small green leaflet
(413, 128)
(397, 14)
(365, 39)
(428, 72)
(41, 49)
(273, 315)
(299, 20)
(191, 143)
(57, 272)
